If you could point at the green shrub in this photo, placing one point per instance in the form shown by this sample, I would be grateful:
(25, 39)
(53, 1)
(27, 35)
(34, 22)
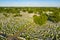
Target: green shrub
(30, 11)
(55, 17)
(24, 10)
(5, 14)
(17, 14)
(40, 19)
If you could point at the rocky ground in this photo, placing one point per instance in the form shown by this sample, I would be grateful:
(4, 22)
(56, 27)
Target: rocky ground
(24, 28)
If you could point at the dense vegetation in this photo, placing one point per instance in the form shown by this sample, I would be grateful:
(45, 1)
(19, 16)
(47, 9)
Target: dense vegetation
(43, 25)
(55, 17)
(40, 19)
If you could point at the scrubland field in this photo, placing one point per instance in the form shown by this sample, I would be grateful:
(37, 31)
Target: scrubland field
(29, 23)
